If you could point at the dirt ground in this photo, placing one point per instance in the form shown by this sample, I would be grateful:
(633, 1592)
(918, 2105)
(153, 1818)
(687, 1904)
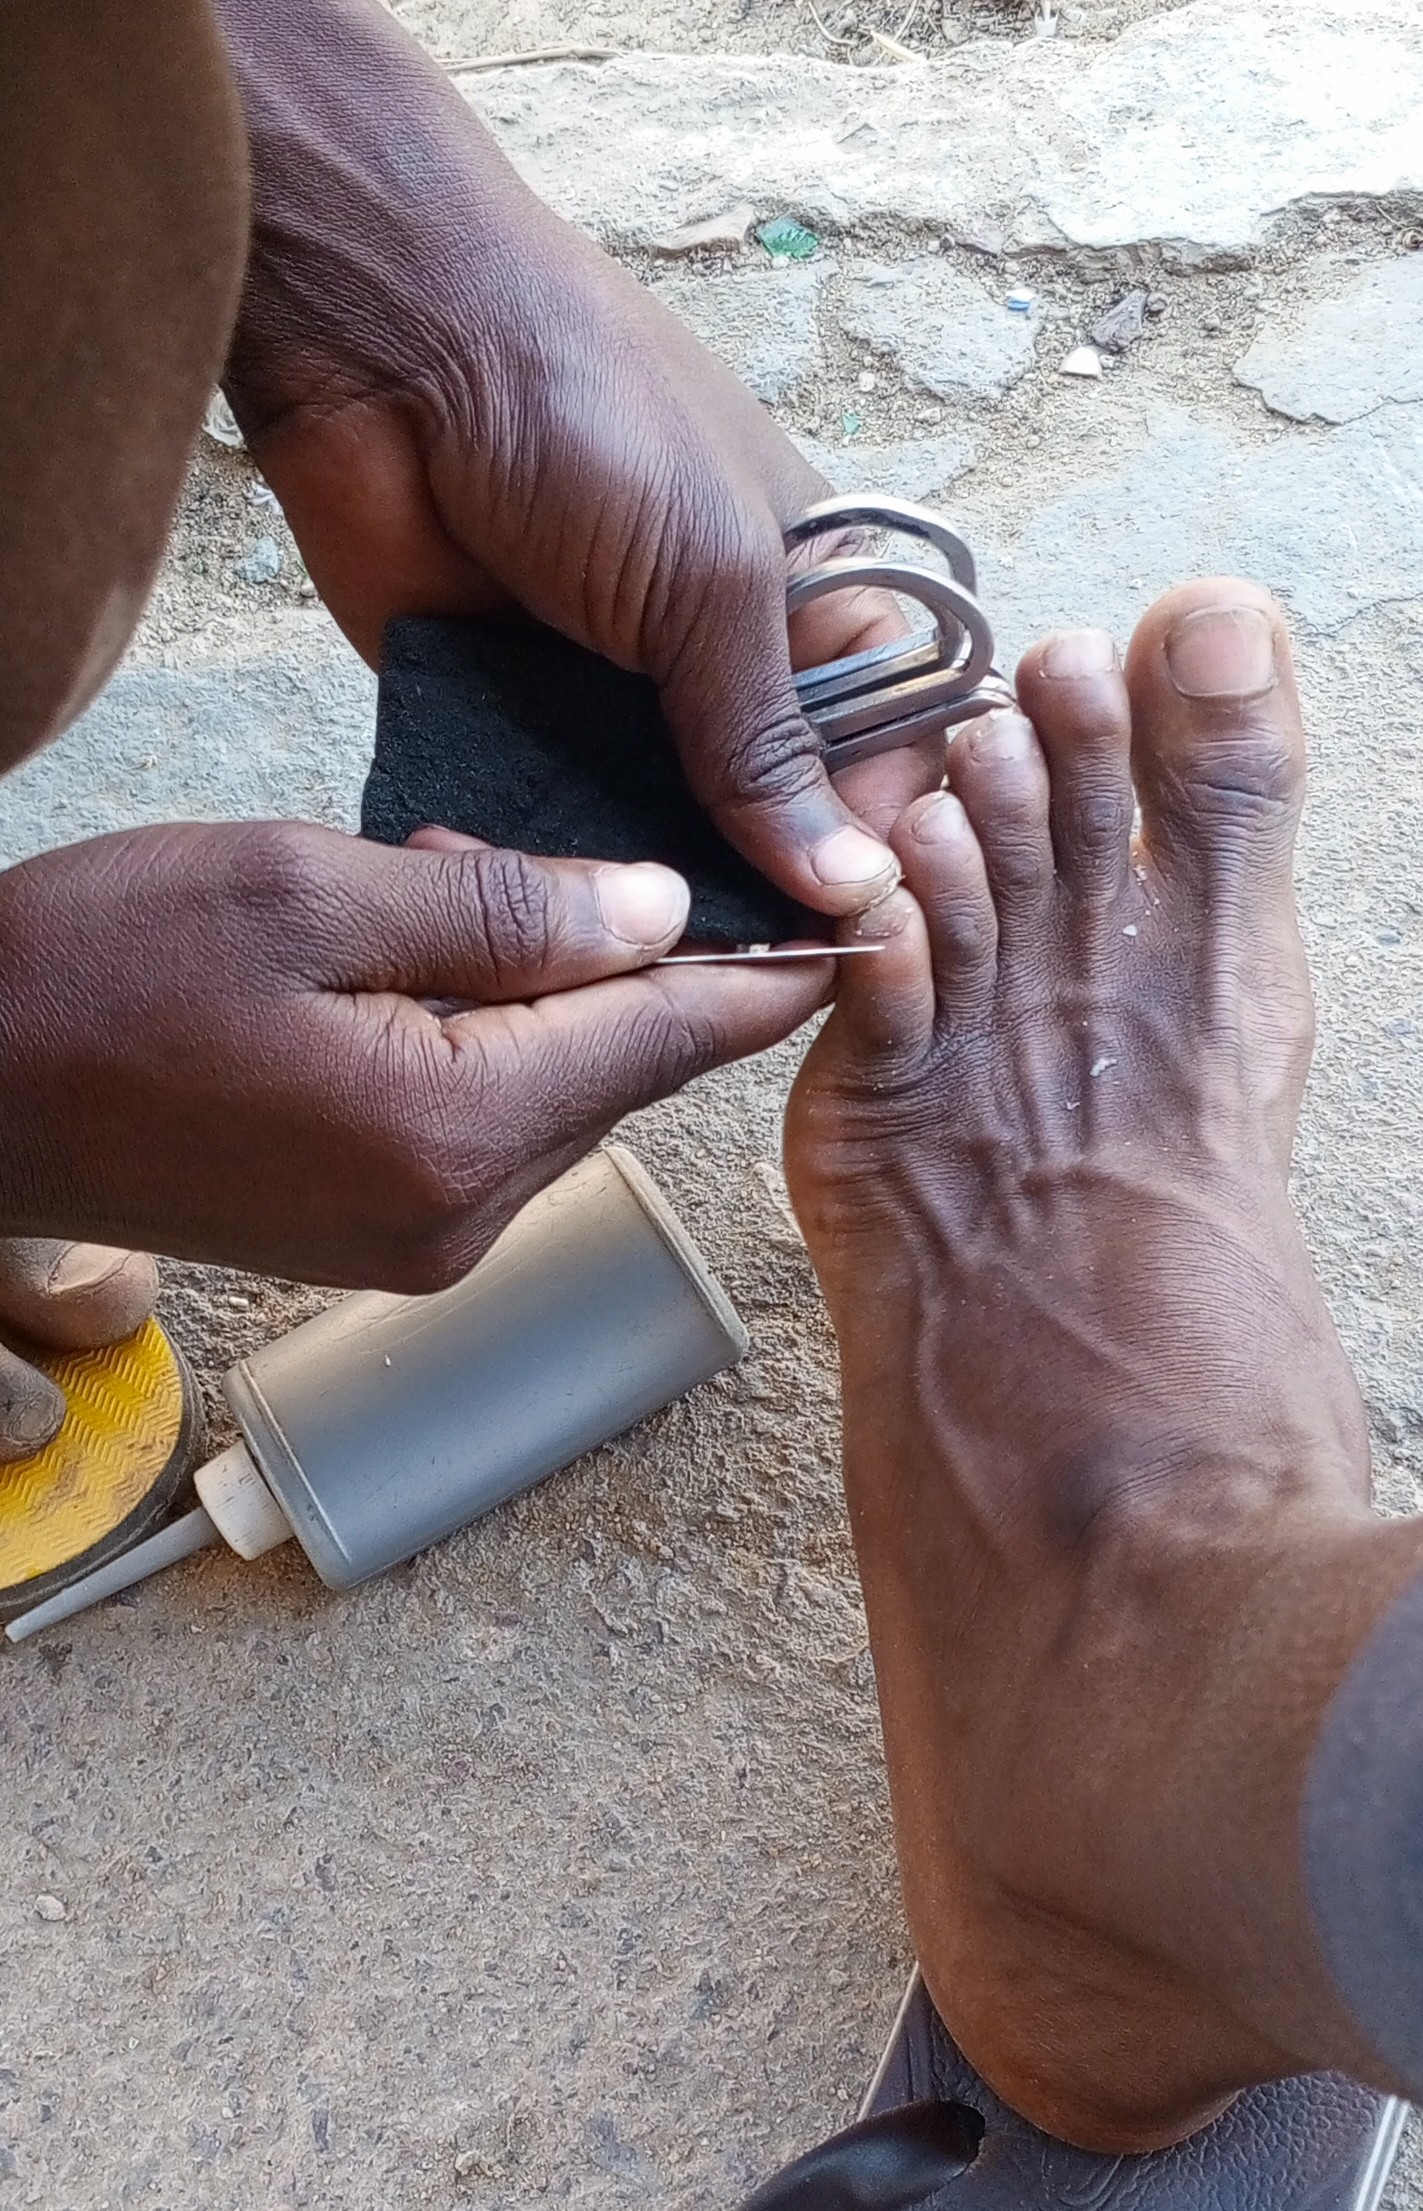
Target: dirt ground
(460, 30)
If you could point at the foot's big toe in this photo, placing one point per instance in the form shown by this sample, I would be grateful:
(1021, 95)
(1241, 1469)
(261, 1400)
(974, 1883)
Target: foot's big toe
(74, 1297)
(31, 1408)
(1217, 744)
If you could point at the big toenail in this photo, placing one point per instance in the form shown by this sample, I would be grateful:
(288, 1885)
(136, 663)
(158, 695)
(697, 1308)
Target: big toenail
(1002, 736)
(1073, 654)
(939, 820)
(1222, 652)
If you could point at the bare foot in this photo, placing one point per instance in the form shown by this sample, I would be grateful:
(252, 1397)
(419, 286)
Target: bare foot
(1106, 1464)
(60, 1297)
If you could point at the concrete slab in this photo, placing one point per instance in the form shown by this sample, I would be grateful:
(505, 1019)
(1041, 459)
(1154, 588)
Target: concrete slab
(1192, 131)
(1349, 353)
(1332, 523)
(908, 468)
(762, 322)
(946, 333)
(232, 734)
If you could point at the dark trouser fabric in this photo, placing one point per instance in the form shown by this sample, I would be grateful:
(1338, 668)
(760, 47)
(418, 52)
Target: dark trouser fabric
(1363, 1838)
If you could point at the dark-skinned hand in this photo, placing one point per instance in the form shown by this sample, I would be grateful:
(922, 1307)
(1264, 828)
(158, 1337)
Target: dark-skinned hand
(464, 406)
(274, 1079)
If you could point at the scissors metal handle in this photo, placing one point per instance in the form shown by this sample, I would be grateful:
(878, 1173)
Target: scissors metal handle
(893, 694)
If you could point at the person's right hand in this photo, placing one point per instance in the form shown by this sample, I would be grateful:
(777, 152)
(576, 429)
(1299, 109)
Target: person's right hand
(213, 1041)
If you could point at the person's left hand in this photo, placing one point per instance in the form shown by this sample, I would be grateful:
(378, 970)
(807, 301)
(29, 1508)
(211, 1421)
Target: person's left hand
(464, 406)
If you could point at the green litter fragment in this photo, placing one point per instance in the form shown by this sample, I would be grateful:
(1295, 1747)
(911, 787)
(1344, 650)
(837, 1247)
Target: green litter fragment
(850, 425)
(786, 240)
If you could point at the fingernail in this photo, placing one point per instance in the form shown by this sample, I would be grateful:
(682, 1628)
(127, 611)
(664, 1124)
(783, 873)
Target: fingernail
(854, 858)
(939, 820)
(642, 904)
(1006, 735)
(1073, 654)
(1222, 652)
(886, 918)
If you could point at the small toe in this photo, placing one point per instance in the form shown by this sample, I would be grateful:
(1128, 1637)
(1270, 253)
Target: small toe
(1072, 688)
(74, 1297)
(944, 868)
(997, 771)
(31, 1408)
(1217, 741)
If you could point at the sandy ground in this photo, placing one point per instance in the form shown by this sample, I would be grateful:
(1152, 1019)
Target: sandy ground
(557, 1866)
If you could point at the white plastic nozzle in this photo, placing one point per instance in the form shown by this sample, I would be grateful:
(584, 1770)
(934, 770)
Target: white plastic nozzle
(239, 1503)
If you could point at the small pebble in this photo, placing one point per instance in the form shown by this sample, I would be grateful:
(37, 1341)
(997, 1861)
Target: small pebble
(1081, 361)
(1122, 324)
(867, 380)
(49, 1907)
(1211, 325)
(716, 233)
(1390, 936)
(1157, 303)
(261, 563)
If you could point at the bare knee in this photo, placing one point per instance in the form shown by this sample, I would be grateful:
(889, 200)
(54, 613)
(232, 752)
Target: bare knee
(123, 186)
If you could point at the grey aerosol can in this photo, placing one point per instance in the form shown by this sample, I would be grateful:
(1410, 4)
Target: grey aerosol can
(388, 1422)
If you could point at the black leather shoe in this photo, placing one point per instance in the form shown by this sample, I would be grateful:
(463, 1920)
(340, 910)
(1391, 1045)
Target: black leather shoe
(933, 2137)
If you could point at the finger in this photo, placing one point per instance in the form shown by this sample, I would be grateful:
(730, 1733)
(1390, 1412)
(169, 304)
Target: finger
(485, 924)
(847, 622)
(431, 837)
(750, 755)
(843, 623)
(881, 788)
(74, 1297)
(586, 1057)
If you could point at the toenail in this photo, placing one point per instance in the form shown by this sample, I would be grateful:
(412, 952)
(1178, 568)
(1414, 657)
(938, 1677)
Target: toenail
(1073, 654)
(939, 820)
(1222, 652)
(886, 918)
(1003, 736)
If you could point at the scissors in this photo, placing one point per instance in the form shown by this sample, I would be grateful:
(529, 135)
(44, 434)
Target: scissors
(893, 694)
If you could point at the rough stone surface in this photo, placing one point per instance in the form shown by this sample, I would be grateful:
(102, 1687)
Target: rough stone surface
(229, 735)
(1334, 525)
(912, 468)
(1191, 130)
(946, 332)
(762, 321)
(1350, 353)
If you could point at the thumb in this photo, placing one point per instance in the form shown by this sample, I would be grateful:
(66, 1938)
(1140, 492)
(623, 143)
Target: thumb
(486, 924)
(583, 1059)
(750, 755)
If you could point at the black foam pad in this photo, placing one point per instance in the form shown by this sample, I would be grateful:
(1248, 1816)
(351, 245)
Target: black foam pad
(524, 739)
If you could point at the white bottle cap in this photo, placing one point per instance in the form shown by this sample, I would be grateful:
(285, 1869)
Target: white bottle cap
(239, 1503)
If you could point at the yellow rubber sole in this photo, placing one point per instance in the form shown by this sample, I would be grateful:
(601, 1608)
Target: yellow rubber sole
(129, 1439)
